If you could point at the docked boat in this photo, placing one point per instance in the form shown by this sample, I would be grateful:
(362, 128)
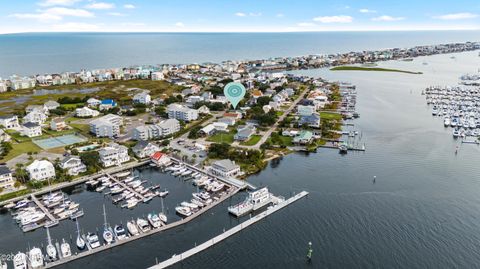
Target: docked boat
(123, 174)
(32, 218)
(92, 240)
(35, 257)
(135, 184)
(20, 261)
(129, 179)
(65, 249)
(101, 188)
(80, 242)
(107, 230)
(186, 173)
(163, 193)
(342, 149)
(119, 231)
(51, 250)
(190, 205)
(132, 228)
(117, 198)
(184, 211)
(197, 202)
(154, 220)
(22, 203)
(131, 203)
(254, 201)
(143, 225)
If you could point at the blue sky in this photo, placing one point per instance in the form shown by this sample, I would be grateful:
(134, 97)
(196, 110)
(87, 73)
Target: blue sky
(235, 15)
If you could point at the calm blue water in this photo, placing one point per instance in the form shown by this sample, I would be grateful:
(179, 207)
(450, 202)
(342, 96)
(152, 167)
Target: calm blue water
(27, 54)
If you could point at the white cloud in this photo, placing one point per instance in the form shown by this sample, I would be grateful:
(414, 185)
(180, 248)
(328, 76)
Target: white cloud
(179, 24)
(129, 6)
(305, 24)
(74, 12)
(457, 16)
(387, 18)
(41, 17)
(280, 15)
(100, 5)
(75, 27)
(334, 19)
(240, 14)
(366, 10)
(54, 14)
(48, 3)
(258, 14)
(116, 14)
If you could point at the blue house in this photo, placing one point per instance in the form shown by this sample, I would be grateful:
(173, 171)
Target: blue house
(107, 104)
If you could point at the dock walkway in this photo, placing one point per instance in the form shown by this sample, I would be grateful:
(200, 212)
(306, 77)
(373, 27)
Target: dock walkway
(219, 238)
(130, 189)
(43, 208)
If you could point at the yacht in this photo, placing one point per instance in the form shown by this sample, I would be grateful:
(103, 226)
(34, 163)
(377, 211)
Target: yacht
(119, 231)
(190, 205)
(100, 189)
(32, 218)
(35, 257)
(20, 261)
(65, 249)
(163, 193)
(154, 220)
(143, 225)
(92, 240)
(255, 200)
(123, 174)
(22, 203)
(184, 211)
(197, 202)
(132, 228)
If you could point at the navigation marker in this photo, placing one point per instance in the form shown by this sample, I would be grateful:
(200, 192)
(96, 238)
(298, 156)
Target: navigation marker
(234, 92)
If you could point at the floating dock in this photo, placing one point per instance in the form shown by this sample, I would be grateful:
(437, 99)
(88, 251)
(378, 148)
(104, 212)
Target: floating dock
(125, 186)
(219, 238)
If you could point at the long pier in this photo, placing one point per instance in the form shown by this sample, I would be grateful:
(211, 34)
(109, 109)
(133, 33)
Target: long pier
(219, 238)
(130, 189)
(43, 208)
(142, 235)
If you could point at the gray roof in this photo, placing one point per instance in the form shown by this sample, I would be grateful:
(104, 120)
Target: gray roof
(7, 116)
(140, 145)
(226, 164)
(30, 124)
(4, 170)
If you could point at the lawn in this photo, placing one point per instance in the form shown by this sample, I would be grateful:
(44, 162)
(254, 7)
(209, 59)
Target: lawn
(330, 116)
(221, 138)
(378, 69)
(20, 148)
(71, 107)
(17, 137)
(84, 129)
(252, 141)
(11, 195)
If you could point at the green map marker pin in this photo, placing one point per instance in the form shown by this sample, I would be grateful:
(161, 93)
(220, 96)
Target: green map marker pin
(234, 92)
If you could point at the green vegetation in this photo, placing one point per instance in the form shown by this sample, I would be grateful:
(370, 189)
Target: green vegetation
(20, 148)
(11, 195)
(250, 160)
(360, 68)
(330, 116)
(222, 138)
(252, 141)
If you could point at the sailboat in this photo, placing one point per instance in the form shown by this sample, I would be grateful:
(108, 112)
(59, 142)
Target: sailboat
(51, 250)
(107, 230)
(162, 215)
(65, 248)
(80, 241)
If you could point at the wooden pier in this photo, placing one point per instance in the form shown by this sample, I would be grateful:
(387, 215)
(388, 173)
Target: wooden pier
(219, 238)
(130, 189)
(117, 243)
(43, 208)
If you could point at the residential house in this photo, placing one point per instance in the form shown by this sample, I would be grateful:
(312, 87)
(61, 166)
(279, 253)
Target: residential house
(244, 132)
(86, 112)
(37, 108)
(179, 112)
(142, 98)
(73, 165)
(145, 149)
(230, 121)
(35, 116)
(312, 120)
(304, 137)
(305, 110)
(213, 128)
(106, 126)
(235, 115)
(31, 129)
(92, 102)
(107, 104)
(9, 121)
(18, 83)
(160, 159)
(158, 76)
(6, 179)
(58, 124)
(203, 110)
(3, 86)
(41, 170)
(113, 154)
(224, 168)
(193, 99)
(164, 128)
(49, 105)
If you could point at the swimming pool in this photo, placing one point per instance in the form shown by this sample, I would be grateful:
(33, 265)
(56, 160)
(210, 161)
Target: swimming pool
(60, 141)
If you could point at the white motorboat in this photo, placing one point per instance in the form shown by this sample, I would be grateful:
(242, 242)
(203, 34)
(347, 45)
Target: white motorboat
(132, 228)
(100, 189)
(123, 174)
(135, 184)
(32, 218)
(190, 205)
(65, 249)
(129, 179)
(197, 202)
(184, 211)
(51, 250)
(20, 261)
(154, 220)
(22, 203)
(186, 173)
(35, 257)
(120, 233)
(163, 193)
(131, 203)
(92, 240)
(162, 217)
(217, 187)
(143, 225)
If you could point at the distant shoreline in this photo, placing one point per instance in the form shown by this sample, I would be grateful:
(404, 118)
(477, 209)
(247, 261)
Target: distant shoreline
(377, 69)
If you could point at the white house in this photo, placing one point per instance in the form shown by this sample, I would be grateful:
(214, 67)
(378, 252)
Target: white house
(92, 102)
(213, 128)
(6, 179)
(35, 117)
(224, 168)
(142, 98)
(3, 86)
(9, 121)
(73, 165)
(113, 154)
(31, 129)
(164, 128)
(49, 105)
(158, 76)
(41, 170)
(160, 159)
(179, 112)
(86, 112)
(203, 110)
(145, 149)
(58, 124)
(106, 126)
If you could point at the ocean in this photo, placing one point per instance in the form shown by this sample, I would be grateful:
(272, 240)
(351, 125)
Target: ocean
(421, 212)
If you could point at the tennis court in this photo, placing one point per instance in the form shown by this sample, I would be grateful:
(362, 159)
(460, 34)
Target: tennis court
(60, 141)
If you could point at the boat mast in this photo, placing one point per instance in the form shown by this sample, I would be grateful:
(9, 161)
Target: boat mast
(161, 199)
(104, 217)
(49, 239)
